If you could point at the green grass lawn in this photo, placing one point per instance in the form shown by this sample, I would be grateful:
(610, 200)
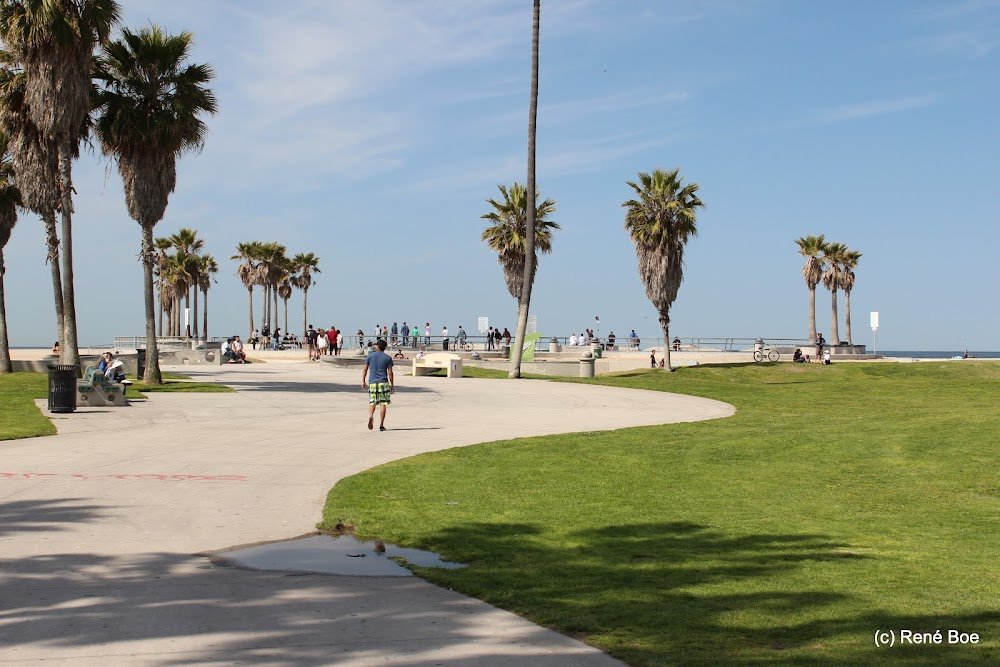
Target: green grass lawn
(839, 500)
(19, 418)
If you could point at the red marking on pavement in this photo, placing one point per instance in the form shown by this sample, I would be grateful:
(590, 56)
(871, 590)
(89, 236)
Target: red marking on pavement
(145, 477)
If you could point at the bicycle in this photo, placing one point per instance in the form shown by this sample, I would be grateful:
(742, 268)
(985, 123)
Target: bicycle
(772, 355)
(462, 346)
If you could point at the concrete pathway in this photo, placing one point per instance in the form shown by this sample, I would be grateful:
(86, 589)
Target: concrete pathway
(99, 524)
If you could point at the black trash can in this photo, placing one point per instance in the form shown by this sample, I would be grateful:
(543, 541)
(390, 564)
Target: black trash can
(140, 364)
(62, 388)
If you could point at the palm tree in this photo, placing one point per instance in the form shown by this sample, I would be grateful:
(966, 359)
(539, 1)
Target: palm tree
(273, 268)
(10, 199)
(248, 254)
(507, 235)
(285, 293)
(35, 160)
(162, 245)
(150, 106)
(849, 261)
(188, 244)
(811, 247)
(207, 268)
(175, 273)
(303, 266)
(660, 222)
(832, 255)
(54, 42)
(524, 298)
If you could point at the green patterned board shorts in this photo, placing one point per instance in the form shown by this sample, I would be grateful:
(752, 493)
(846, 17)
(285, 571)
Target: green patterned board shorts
(379, 393)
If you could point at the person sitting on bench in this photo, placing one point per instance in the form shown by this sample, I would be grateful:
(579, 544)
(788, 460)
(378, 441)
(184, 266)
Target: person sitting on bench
(114, 370)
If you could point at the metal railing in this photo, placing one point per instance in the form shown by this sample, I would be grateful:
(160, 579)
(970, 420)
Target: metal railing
(480, 343)
(623, 344)
(162, 342)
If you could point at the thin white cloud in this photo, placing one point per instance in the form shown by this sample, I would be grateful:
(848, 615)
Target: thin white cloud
(874, 108)
(964, 42)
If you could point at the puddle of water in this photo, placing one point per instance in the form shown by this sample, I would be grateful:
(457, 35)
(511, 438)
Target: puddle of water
(326, 554)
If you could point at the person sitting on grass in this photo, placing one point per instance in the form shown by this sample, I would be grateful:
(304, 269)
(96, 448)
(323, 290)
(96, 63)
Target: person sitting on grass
(798, 357)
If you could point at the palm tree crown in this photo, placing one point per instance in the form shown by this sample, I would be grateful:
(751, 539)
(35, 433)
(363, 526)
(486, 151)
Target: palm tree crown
(150, 107)
(660, 221)
(811, 247)
(507, 235)
(848, 262)
(833, 254)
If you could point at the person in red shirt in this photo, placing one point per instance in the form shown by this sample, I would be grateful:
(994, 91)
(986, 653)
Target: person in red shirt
(331, 336)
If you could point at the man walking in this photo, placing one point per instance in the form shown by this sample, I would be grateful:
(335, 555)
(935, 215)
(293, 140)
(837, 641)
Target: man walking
(377, 378)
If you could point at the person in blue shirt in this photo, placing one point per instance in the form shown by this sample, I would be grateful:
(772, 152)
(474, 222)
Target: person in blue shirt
(377, 378)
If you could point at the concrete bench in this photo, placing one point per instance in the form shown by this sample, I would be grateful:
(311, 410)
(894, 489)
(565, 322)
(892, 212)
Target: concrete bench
(95, 390)
(451, 363)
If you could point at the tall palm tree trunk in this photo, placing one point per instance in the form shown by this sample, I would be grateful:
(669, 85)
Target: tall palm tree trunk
(263, 307)
(529, 226)
(665, 325)
(194, 319)
(274, 311)
(177, 317)
(250, 295)
(160, 314)
(152, 373)
(305, 309)
(69, 352)
(52, 241)
(847, 315)
(286, 314)
(5, 364)
(204, 331)
(187, 313)
(834, 329)
(812, 314)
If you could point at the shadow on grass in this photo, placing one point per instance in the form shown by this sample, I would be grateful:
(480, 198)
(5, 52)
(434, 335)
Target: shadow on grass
(682, 593)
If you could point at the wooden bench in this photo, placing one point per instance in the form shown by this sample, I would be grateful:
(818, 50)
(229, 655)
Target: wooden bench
(427, 364)
(95, 390)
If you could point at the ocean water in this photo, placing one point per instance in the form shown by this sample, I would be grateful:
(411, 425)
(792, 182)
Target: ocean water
(930, 354)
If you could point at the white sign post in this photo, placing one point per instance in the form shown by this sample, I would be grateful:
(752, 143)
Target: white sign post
(484, 325)
(874, 330)
(532, 324)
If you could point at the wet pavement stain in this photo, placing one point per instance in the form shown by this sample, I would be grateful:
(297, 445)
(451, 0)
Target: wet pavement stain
(325, 554)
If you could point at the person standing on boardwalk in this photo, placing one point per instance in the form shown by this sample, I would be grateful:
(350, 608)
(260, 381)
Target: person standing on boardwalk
(377, 378)
(820, 342)
(405, 331)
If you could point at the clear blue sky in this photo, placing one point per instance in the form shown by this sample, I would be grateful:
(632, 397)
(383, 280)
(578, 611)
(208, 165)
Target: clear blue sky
(371, 133)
